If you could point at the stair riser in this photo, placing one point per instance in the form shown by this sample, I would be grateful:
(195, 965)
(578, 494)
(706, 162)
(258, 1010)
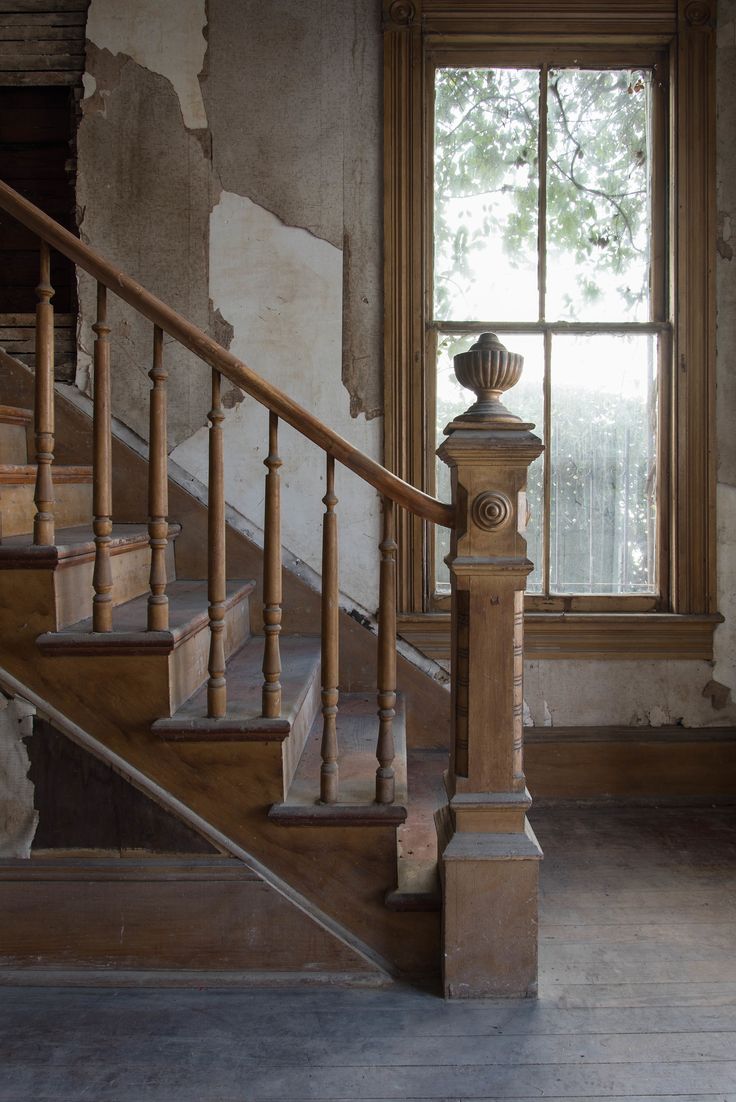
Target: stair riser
(129, 690)
(293, 746)
(267, 766)
(130, 572)
(17, 510)
(13, 447)
(188, 663)
(139, 688)
(247, 767)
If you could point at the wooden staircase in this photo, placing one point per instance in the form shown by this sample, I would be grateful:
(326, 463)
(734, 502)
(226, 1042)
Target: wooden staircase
(151, 688)
(293, 739)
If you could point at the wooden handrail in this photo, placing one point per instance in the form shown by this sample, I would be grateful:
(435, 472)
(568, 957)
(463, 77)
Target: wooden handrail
(207, 349)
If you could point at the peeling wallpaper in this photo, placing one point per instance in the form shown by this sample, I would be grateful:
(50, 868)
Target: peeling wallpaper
(230, 157)
(281, 289)
(164, 37)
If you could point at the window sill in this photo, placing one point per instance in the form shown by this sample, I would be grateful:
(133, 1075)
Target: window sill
(591, 635)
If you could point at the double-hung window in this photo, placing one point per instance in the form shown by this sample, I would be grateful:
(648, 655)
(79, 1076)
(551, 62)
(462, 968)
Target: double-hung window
(548, 227)
(541, 190)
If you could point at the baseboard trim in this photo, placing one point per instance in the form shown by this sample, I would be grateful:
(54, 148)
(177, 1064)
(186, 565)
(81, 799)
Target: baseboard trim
(107, 977)
(666, 734)
(631, 763)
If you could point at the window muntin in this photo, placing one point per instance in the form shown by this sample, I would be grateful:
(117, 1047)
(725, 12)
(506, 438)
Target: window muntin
(543, 224)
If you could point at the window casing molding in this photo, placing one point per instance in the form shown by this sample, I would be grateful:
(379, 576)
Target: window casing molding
(683, 32)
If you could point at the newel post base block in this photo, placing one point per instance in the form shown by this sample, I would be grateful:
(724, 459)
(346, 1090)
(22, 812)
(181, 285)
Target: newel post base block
(489, 900)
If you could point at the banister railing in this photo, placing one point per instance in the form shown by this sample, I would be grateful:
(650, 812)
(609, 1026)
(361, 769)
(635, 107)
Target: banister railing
(488, 852)
(220, 359)
(223, 364)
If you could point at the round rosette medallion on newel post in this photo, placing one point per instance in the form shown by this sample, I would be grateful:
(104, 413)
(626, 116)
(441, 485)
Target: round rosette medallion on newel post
(489, 855)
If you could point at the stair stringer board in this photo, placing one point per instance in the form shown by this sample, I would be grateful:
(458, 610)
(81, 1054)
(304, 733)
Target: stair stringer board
(332, 950)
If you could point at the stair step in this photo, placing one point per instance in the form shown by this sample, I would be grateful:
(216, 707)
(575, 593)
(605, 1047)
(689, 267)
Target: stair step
(188, 614)
(300, 659)
(72, 490)
(74, 544)
(14, 424)
(418, 886)
(357, 732)
(70, 563)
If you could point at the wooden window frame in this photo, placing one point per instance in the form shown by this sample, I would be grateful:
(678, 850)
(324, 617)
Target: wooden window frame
(416, 33)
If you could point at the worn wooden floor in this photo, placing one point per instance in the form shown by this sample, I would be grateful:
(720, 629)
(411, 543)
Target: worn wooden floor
(637, 1001)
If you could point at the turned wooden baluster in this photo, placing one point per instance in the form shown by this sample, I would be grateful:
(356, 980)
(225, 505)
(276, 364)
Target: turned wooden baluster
(158, 489)
(330, 642)
(271, 694)
(385, 752)
(216, 685)
(43, 522)
(102, 470)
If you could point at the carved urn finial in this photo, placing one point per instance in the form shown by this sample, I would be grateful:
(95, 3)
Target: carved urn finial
(488, 369)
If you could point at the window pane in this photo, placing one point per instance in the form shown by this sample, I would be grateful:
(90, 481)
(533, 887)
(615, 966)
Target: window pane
(598, 192)
(603, 464)
(527, 401)
(486, 194)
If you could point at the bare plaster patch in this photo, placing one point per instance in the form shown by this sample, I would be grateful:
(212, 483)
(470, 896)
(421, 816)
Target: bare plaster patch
(18, 817)
(164, 37)
(281, 290)
(622, 693)
(298, 130)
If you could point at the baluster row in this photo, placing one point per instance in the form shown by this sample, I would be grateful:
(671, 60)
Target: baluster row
(158, 607)
(386, 679)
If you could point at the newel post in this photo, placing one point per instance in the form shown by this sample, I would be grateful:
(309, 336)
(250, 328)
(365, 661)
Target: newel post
(489, 856)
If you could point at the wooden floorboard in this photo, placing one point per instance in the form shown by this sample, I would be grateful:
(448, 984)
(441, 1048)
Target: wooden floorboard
(637, 1001)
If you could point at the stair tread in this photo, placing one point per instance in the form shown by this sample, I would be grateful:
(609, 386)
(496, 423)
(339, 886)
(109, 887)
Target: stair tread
(72, 543)
(300, 655)
(15, 415)
(19, 474)
(188, 611)
(418, 887)
(357, 733)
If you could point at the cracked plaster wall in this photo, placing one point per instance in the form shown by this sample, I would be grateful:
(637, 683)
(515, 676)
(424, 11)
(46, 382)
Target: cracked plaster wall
(261, 217)
(222, 164)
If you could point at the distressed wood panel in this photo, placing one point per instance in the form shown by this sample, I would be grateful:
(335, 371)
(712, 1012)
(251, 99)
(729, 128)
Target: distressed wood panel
(42, 42)
(18, 334)
(83, 804)
(212, 915)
